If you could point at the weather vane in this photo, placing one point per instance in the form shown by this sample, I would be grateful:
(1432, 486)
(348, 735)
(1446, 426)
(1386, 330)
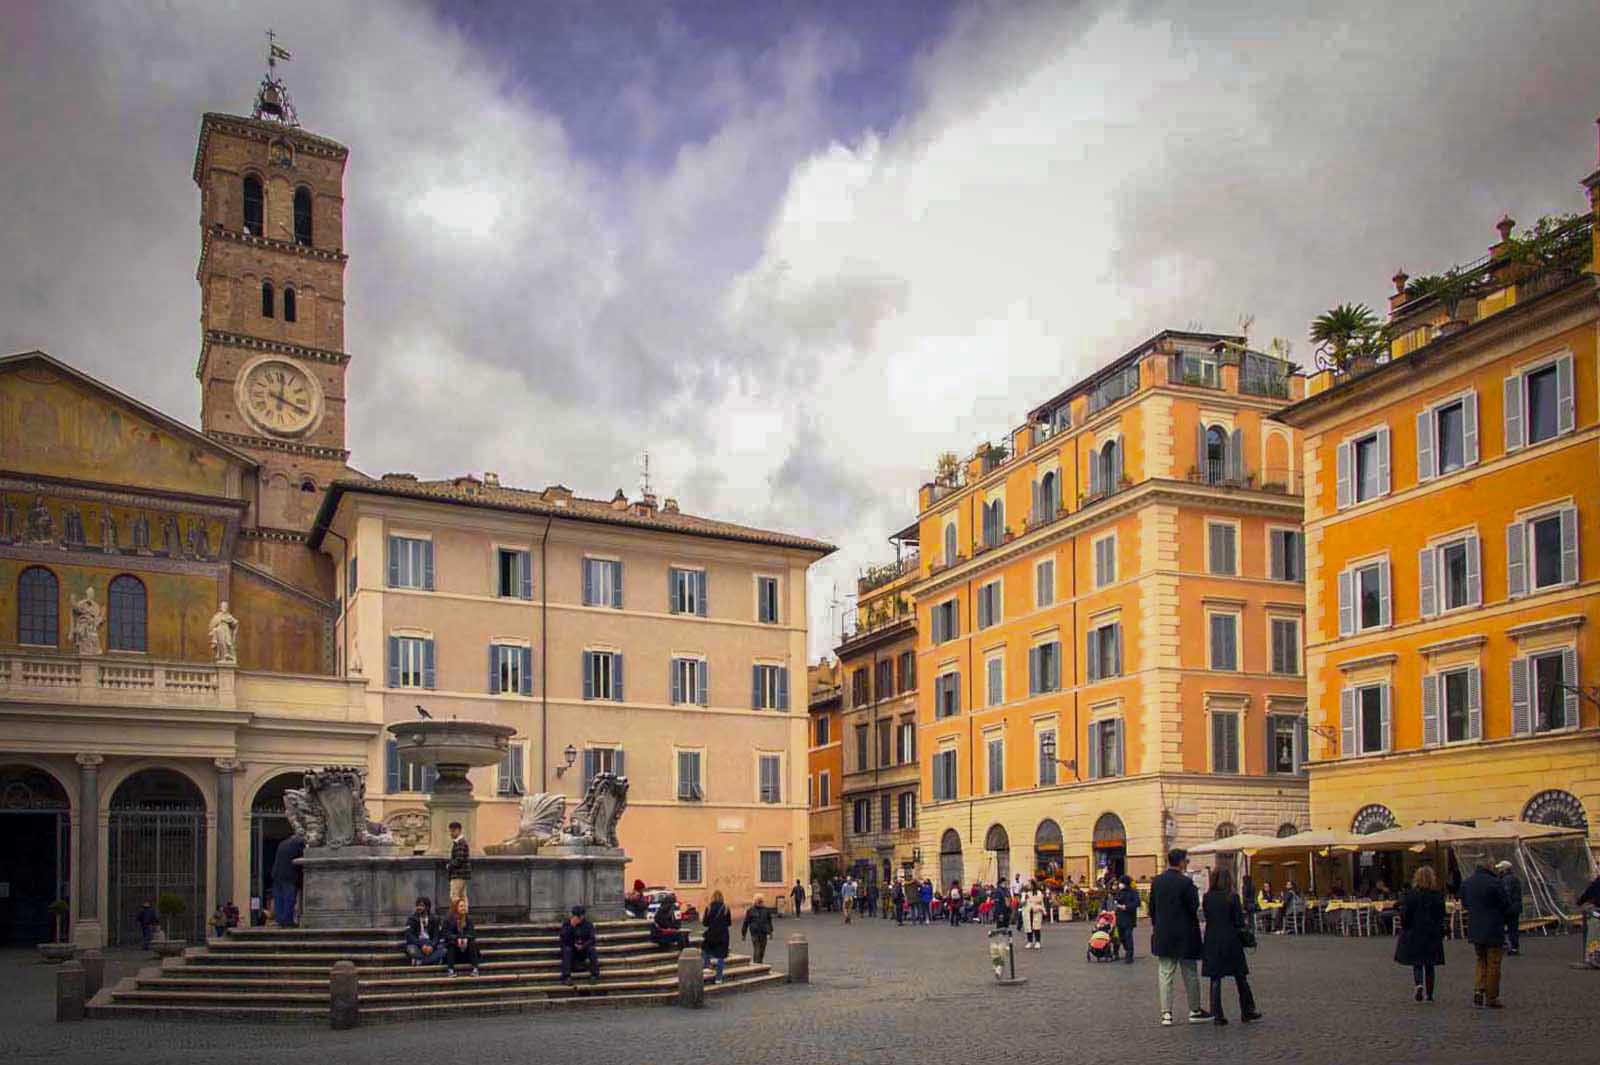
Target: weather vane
(272, 98)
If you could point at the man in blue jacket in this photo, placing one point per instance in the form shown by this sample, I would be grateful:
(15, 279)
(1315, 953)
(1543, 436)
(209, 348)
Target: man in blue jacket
(1488, 907)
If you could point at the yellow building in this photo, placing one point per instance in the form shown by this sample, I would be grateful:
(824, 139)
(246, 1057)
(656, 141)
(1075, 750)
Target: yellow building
(879, 722)
(824, 771)
(1109, 612)
(1452, 567)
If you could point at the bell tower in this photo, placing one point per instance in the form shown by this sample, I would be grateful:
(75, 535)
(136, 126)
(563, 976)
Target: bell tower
(272, 359)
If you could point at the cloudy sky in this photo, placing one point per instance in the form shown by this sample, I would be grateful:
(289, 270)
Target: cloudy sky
(792, 249)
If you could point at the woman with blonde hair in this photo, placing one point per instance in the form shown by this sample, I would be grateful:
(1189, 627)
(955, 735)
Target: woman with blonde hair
(1420, 944)
(460, 939)
(718, 924)
(757, 927)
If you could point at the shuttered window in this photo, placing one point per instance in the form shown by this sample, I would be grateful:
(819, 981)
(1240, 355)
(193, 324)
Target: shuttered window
(602, 675)
(944, 776)
(686, 591)
(1105, 561)
(908, 671)
(767, 600)
(1363, 468)
(689, 779)
(770, 768)
(1224, 548)
(946, 625)
(1224, 741)
(602, 582)
(1364, 598)
(515, 572)
(1288, 555)
(510, 670)
(769, 687)
(411, 663)
(691, 681)
(1544, 694)
(1225, 642)
(509, 778)
(908, 809)
(988, 604)
(1044, 577)
(1103, 653)
(1046, 742)
(1286, 645)
(410, 563)
(994, 676)
(1044, 668)
(401, 775)
(906, 742)
(1105, 748)
(947, 695)
(996, 749)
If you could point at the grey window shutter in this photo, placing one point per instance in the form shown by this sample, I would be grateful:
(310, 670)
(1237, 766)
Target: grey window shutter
(394, 562)
(1216, 642)
(1426, 595)
(1038, 586)
(1569, 545)
(1521, 707)
(1200, 450)
(1430, 709)
(1033, 671)
(1513, 399)
(494, 670)
(588, 674)
(1236, 456)
(1119, 465)
(1054, 678)
(1385, 611)
(526, 655)
(1122, 751)
(1343, 486)
(1280, 565)
(1271, 740)
(1425, 466)
(1474, 572)
(955, 692)
(616, 585)
(1569, 677)
(783, 687)
(1094, 473)
(427, 565)
(1300, 743)
(427, 664)
(1092, 653)
(525, 566)
(616, 677)
(1474, 704)
(674, 601)
(591, 767)
(391, 766)
(675, 678)
(1347, 723)
(1094, 749)
(588, 582)
(1565, 411)
(755, 687)
(700, 579)
(1383, 461)
(1116, 650)
(1469, 429)
(1516, 559)
(705, 683)
(1035, 514)
(1347, 603)
(394, 661)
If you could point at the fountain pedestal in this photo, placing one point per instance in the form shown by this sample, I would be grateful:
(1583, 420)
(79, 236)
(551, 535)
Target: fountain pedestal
(452, 748)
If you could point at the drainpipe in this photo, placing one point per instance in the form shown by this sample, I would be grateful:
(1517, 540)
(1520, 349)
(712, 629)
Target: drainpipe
(339, 593)
(544, 659)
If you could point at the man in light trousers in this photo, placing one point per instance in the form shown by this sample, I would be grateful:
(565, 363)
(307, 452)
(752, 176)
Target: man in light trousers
(1175, 935)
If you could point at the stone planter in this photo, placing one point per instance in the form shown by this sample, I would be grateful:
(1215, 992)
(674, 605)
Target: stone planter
(167, 948)
(56, 953)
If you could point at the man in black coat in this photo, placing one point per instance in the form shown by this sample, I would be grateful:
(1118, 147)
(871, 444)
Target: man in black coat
(1508, 876)
(286, 879)
(1484, 896)
(1175, 935)
(1125, 901)
(577, 946)
(424, 945)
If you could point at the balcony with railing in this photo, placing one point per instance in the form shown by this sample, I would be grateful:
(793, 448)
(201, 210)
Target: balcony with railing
(1277, 479)
(878, 576)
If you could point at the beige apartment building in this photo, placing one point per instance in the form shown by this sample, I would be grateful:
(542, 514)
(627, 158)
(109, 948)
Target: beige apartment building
(619, 636)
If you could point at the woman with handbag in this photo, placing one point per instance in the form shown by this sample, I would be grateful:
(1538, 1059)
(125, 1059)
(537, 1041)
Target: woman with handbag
(1421, 940)
(1223, 952)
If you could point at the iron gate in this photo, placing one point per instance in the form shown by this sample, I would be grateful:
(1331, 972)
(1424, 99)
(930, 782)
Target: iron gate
(155, 850)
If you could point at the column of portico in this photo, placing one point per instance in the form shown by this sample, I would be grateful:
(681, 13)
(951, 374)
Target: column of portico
(227, 769)
(88, 930)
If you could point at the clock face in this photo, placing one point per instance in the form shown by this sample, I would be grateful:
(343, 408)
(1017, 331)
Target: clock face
(280, 397)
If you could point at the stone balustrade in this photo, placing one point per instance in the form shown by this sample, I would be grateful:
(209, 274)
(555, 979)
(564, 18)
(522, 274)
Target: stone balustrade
(88, 679)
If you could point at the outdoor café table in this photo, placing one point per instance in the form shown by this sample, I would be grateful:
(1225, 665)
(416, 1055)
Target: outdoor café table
(1267, 910)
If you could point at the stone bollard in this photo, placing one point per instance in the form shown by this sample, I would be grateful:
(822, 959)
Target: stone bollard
(94, 972)
(691, 979)
(344, 996)
(799, 960)
(69, 991)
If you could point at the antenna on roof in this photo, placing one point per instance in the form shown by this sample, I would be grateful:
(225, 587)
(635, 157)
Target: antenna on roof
(644, 474)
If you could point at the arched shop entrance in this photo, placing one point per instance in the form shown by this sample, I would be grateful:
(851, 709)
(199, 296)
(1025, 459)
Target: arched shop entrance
(949, 859)
(997, 843)
(35, 824)
(269, 826)
(156, 846)
(1369, 867)
(1047, 850)
(1110, 846)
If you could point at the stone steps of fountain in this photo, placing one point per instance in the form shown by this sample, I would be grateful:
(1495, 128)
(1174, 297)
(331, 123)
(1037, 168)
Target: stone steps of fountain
(401, 970)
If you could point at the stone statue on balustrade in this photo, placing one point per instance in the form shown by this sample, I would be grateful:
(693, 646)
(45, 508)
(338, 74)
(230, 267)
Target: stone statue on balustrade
(41, 527)
(224, 630)
(72, 518)
(593, 823)
(87, 617)
(10, 522)
(108, 530)
(331, 809)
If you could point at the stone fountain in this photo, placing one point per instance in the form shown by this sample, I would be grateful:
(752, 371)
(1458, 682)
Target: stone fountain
(356, 876)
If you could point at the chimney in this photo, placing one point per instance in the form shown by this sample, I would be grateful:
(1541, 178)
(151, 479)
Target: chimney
(491, 478)
(620, 500)
(670, 506)
(1399, 297)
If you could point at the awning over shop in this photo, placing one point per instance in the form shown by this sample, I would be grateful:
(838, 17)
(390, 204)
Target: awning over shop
(824, 852)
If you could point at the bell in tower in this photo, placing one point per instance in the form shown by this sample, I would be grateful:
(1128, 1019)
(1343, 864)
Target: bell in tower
(272, 99)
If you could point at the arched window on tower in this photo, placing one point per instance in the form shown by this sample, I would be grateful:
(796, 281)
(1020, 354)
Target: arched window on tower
(126, 614)
(302, 216)
(266, 299)
(255, 206)
(38, 607)
(288, 304)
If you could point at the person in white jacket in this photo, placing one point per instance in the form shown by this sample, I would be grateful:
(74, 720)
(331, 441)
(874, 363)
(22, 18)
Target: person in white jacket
(1033, 916)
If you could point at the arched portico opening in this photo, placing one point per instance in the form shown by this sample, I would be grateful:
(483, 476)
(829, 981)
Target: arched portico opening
(156, 846)
(35, 860)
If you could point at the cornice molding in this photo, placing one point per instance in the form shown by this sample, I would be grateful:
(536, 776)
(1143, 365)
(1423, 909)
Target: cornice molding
(262, 443)
(279, 347)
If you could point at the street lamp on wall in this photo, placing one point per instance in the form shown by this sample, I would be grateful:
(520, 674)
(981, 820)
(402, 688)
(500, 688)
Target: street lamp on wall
(571, 756)
(1047, 747)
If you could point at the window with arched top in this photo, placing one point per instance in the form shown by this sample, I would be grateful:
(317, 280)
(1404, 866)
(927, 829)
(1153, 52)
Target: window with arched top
(125, 614)
(267, 308)
(38, 607)
(255, 206)
(1286, 830)
(1226, 829)
(1111, 466)
(302, 216)
(1049, 496)
(288, 304)
(1216, 463)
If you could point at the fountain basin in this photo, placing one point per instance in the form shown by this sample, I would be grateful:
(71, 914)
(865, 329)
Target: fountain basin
(452, 743)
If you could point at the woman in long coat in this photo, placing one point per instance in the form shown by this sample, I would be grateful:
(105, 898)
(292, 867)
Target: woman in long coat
(1032, 904)
(1421, 940)
(1223, 951)
(719, 925)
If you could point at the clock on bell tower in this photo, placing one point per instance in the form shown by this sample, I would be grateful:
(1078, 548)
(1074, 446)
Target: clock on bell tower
(272, 359)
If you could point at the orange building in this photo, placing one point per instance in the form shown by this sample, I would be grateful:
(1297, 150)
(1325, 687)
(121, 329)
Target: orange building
(1109, 621)
(824, 769)
(1451, 523)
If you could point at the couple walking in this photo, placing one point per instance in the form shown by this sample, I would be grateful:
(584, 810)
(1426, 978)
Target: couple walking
(1177, 943)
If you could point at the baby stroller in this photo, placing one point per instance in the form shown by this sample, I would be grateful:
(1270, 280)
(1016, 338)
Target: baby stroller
(1103, 944)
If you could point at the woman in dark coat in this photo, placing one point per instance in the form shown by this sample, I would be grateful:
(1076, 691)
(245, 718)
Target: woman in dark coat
(719, 926)
(1223, 951)
(1421, 942)
(666, 931)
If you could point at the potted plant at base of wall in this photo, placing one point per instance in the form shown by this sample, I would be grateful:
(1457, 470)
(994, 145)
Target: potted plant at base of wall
(170, 907)
(59, 950)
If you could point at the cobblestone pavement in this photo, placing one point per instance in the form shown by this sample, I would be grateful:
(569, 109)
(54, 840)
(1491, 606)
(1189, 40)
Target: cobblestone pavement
(886, 994)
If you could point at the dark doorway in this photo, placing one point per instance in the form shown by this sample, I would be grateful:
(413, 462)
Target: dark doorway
(1110, 846)
(34, 822)
(949, 859)
(156, 846)
(269, 826)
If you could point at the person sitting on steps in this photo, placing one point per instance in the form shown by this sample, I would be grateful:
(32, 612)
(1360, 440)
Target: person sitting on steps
(423, 943)
(667, 930)
(460, 939)
(578, 946)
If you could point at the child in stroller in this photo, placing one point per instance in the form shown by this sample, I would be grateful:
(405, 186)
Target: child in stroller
(1103, 944)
